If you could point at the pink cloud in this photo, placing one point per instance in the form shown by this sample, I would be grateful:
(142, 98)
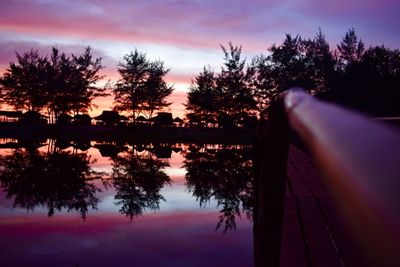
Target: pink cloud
(188, 23)
(200, 25)
(255, 24)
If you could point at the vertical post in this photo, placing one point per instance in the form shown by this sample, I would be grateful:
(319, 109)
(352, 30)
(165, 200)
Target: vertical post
(271, 185)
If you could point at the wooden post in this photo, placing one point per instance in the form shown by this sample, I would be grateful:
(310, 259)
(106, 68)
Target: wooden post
(270, 186)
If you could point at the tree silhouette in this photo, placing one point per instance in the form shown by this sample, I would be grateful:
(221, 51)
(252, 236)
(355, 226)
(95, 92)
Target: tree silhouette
(263, 83)
(23, 83)
(203, 99)
(234, 84)
(142, 88)
(57, 180)
(289, 64)
(138, 180)
(320, 62)
(225, 175)
(225, 97)
(369, 83)
(72, 82)
(59, 84)
(350, 49)
(296, 62)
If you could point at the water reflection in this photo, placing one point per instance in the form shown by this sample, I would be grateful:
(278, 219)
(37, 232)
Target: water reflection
(54, 179)
(138, 179)
(223, 173)
(58, 174)
(123, 181)
(110, 149)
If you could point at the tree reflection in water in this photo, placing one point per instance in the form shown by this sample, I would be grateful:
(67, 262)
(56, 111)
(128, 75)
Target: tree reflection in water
(138, 179)
(55, 180)
(224, 174)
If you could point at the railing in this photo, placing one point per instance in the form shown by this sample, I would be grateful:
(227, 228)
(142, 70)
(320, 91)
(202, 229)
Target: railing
(359, 161)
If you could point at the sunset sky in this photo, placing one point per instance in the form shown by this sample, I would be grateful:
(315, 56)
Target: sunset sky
(184, 34)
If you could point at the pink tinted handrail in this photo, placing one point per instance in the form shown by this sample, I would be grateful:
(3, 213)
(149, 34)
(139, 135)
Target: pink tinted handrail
(359, 160)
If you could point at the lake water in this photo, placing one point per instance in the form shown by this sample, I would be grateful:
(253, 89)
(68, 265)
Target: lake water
(66, 203)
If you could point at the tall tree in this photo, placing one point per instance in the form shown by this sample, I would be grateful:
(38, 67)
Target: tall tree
(225, 97)
(203, 99)
(23, 83)
(138, 180)
(86, 68)
(72, 81)
(285, 66)
(296, 62)
(142, 88)
(289, 66)
(320, 62)
(59, 84)
(233, 83)
(263, 83)
(350, 49)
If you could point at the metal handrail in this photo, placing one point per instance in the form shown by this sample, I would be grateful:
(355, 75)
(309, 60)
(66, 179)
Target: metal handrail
(359, 161)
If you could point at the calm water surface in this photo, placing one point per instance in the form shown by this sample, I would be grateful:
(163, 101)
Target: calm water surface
(117, 204)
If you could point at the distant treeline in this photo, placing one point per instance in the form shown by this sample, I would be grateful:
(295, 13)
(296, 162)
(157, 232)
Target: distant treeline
(366, 79)
(60, 84)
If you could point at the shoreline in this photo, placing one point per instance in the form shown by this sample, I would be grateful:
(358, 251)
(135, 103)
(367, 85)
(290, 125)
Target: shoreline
(128, 133)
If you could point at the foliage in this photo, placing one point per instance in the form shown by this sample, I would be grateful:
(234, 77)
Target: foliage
(350, 49)
(77, 76)
(362, 78)
(56, 180)
(142, 88)
(24, 83)
(59, 84)
(203, 99)
(320, 62)
(370, 84)
(223, 97)
(228, 98)
(225, 175)
(306, 63)
(233, 83)
(138, 180)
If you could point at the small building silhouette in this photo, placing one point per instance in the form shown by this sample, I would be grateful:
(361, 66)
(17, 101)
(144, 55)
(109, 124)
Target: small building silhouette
(110, 117)
(141, 120)
(82, 119)
(64, 119)
(194, 120)
(178, 122)
(163, 119)
(162, 151)
(110, 149)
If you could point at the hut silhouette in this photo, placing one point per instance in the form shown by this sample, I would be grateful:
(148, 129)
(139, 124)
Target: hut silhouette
(110, 118)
